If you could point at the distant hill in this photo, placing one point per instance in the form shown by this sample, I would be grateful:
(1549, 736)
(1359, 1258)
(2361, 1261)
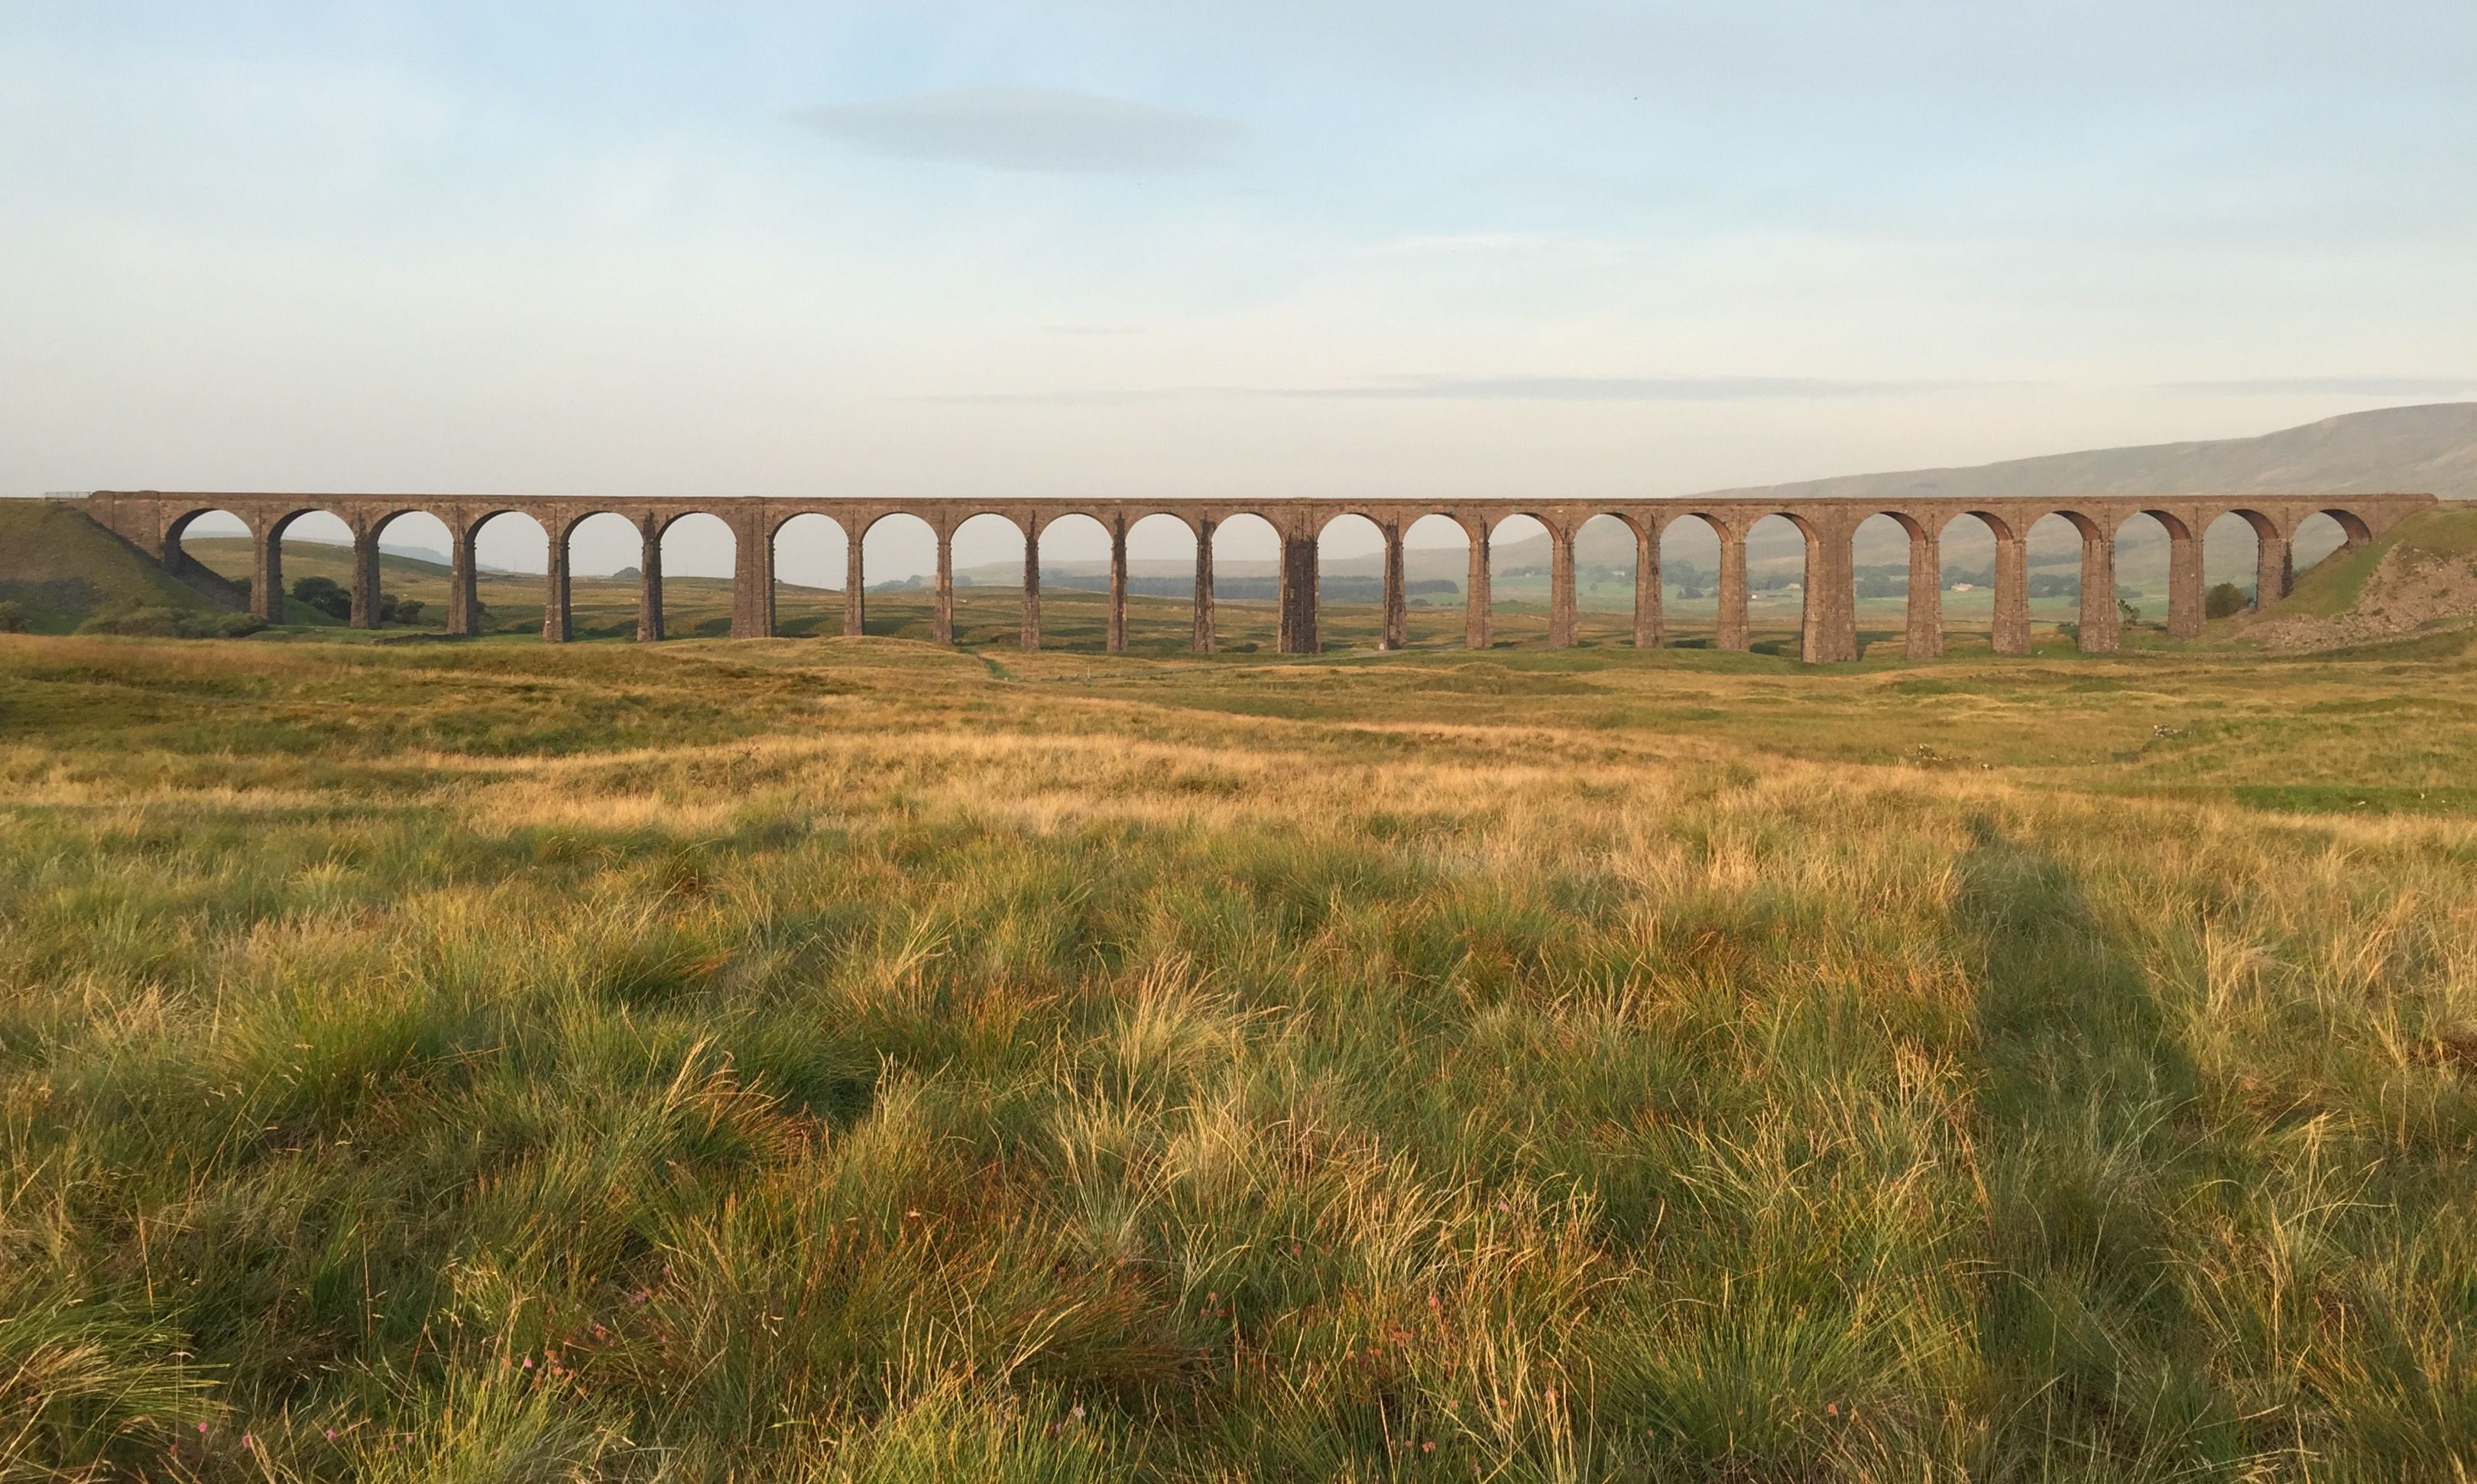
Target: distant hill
(2431, 450)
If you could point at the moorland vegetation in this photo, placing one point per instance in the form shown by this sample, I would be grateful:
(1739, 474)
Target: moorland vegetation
(850, 1059)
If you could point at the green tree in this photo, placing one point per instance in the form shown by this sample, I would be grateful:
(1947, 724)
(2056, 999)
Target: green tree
(2225, 600)
(324, 595)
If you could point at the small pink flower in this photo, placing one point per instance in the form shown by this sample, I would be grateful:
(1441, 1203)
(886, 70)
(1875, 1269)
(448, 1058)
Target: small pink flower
(330, 1434)
(529, 1362)
(202, 1427)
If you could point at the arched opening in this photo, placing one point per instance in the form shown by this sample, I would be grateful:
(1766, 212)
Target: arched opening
(1520, 563)
(1074, 582)
(215, 553)
(602, 555)
(1888, 553)
(699, 554)
(1436, 571)
(2232, 560)
(1969, 548)
(1776, 585)
(1350, 583)
(416, 555)
(2147, 545)
(2053, 559)
(1689, 576)
(811, 557)
(988, 556)
(2321, 535)
(898, 566)
(314, 559)
(511, 558)
(1247, 584)
(1161, 583)
(1607, 569)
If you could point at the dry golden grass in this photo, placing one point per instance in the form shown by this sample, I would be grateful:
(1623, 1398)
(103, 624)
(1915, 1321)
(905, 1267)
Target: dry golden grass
(848, 1059)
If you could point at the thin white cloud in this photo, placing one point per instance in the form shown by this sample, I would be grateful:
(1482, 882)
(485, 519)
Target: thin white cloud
(1032, 129)
(1491, 388)
(2334, 386)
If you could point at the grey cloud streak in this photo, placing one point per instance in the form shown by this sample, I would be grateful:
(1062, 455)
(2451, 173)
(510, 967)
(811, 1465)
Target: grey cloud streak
(1031, 129)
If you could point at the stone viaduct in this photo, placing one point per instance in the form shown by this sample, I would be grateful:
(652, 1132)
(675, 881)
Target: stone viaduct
(153, 520)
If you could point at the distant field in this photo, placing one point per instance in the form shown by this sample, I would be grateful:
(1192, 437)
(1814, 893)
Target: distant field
(850, 1059)
(700, 606)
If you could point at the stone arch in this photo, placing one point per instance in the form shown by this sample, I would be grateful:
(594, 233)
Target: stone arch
(1692, 549)
(812, 553)
(403, 543)
(2092, 593)
(2230, 557)
(516, 541)
(976, 544)
(1074, 549)
(898, 562)
(1521, 548)
(327, 548)
(1350, 572)
(233, 570)
(1609, 552)
(606, 545)
(696, 599)
(1772, 576)
(2153, 556)
(1437, 579)
(1247, 582)
(2321, 534)
(1158, 541)
(1984, 573)
(1895, 566)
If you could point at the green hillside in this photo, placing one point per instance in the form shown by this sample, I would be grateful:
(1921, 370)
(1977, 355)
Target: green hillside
(62, 569)
(2419, 574)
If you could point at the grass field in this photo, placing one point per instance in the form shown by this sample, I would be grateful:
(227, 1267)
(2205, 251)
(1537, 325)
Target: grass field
(700, 607)
(848, 1059)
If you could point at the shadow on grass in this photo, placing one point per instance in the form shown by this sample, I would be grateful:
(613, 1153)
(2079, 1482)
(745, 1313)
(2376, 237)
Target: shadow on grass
(2090, 1139)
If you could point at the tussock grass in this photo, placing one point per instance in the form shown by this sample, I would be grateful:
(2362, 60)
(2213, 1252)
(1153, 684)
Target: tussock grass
(844, 1061)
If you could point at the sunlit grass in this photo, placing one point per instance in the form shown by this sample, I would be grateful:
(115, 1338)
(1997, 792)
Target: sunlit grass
(849, 1059)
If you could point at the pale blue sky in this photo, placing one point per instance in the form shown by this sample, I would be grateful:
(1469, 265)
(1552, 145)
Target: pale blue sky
(1294, 248)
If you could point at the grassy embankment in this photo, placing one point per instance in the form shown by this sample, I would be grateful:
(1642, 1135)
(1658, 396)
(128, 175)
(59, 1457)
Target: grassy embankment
(849, 1059)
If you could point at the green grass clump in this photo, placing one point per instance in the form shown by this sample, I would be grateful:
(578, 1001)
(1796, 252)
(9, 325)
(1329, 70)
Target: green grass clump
(853, 1060)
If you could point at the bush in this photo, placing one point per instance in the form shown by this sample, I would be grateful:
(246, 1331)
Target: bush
(399, 610)
(12, 617)
(173, 624)
(324, 595)
(2225, 600)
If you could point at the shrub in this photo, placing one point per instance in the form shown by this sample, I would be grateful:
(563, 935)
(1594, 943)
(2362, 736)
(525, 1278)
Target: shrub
(2225, 600)
(147, 623)
(142, 623)
(12, 616)
(324, 595)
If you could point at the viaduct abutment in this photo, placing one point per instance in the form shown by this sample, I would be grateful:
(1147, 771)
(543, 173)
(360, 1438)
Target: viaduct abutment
(153, 520)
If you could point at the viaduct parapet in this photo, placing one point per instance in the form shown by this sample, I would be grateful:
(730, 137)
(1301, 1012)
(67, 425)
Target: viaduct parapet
(153, 520)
